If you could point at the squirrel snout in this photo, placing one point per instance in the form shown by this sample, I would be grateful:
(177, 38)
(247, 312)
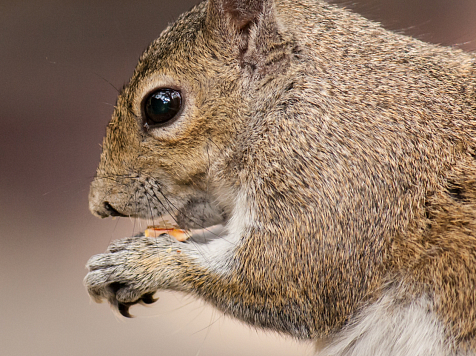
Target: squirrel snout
(105, 210)
(110, 210)
(100, 207)
(99, 204)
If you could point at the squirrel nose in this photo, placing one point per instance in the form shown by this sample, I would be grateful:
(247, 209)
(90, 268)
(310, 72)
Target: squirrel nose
(99, 203)
(111, 211)
(108, 210)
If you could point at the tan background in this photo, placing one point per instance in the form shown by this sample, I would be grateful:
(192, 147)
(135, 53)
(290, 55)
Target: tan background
(56, 59)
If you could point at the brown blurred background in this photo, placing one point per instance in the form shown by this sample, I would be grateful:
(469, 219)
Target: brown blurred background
(59, 64)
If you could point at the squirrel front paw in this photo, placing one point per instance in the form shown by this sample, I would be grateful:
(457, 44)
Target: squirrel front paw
(130, 271)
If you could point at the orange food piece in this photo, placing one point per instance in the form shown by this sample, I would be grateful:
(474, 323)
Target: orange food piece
(178, 234)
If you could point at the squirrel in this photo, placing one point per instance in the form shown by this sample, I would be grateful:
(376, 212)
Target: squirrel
(339, 159)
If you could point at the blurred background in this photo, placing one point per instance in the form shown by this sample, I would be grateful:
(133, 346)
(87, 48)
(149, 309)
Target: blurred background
(60, 62)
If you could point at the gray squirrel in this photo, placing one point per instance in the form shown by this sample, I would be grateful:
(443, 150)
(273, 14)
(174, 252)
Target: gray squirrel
(339, 159)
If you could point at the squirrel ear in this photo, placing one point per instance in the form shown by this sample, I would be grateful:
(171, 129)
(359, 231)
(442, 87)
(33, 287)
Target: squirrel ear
(251, 27)
(240, 12)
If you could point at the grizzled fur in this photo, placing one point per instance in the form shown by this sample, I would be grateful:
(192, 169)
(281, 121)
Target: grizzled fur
(340, 158)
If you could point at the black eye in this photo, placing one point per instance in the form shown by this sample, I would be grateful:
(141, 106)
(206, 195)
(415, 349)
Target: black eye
(161, 106)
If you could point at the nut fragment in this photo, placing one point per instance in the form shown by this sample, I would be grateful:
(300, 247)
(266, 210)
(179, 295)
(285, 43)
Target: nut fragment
(157, 230)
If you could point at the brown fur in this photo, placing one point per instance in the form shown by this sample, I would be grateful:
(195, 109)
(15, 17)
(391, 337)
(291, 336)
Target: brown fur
(355, 146)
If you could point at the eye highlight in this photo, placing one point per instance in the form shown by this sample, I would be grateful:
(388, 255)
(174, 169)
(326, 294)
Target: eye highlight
(161, 107)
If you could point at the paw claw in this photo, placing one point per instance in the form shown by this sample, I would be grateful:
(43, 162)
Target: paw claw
(124, 309)
(149, 298)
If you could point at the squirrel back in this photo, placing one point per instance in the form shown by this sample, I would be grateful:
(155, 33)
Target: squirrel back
(339, 156)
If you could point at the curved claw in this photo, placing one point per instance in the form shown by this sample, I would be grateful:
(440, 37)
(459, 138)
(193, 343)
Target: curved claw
(149, 298)
(124, 309)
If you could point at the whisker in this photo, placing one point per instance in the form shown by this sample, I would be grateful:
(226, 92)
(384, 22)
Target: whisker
(82, 70)
(208, 326)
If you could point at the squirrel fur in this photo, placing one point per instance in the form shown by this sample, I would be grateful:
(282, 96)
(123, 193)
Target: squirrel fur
(340, 159)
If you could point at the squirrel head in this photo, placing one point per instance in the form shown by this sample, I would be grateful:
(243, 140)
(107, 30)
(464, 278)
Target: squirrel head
(176, 125)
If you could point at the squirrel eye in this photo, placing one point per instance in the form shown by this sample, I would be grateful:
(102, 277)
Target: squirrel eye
(161, 106)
